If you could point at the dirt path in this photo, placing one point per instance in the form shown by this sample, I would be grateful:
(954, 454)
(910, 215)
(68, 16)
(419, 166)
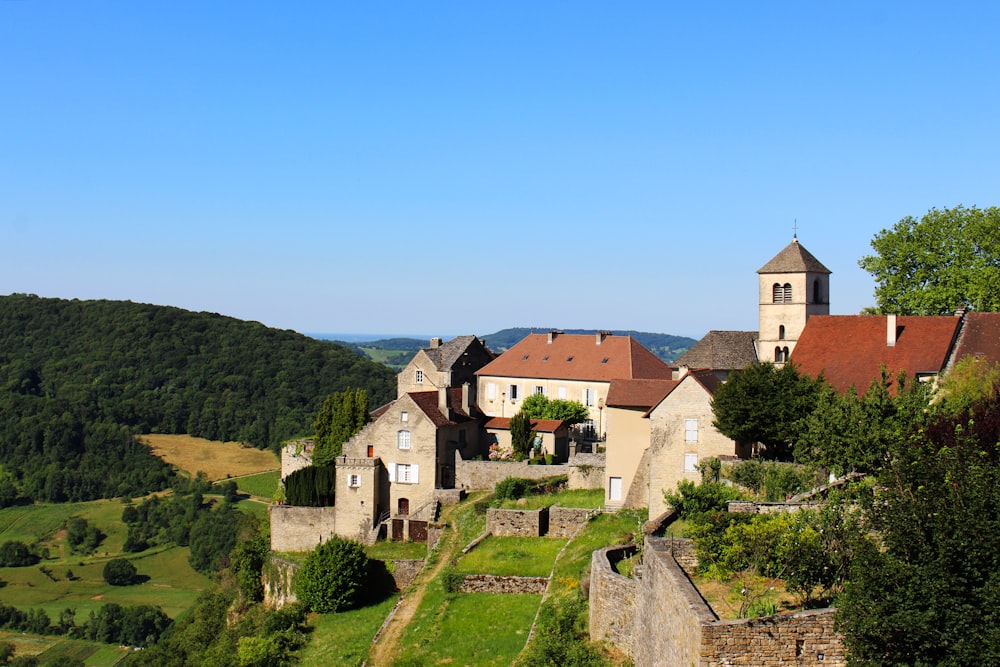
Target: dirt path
(385, 649)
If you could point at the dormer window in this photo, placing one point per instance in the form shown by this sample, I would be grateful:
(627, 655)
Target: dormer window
(545, 358)
(569, 359)
(604, 360)
(524, 358)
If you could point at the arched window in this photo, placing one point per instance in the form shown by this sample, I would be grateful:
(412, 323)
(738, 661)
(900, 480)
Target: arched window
(817, 296)
(403, 439)
(777, 293)
(781, 332)
(777, 355)
(788, 293)
(784, 354)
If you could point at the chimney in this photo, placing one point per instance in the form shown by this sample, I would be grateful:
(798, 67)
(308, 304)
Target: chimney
(435, 342)
(443, 400)
(600, 336)
(890, 330)
(552, 336)
(465, 398)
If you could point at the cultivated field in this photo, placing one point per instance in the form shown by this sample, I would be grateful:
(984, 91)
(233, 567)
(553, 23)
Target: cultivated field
(218, 460)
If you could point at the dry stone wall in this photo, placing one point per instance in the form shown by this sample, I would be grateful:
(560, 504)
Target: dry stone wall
(475, 475)
(491, 583)
(612, 599)
(517, 523)
(566, 521)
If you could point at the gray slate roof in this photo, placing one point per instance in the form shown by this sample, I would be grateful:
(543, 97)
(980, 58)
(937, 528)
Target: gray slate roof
(721, 350)
(445, 356)
(793, 259)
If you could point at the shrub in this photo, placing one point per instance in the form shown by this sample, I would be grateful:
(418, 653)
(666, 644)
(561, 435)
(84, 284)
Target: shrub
(511, 488)
(693, 500)
(120, 572)
(333, 576)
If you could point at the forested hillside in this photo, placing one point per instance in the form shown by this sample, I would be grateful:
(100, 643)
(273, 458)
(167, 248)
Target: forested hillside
(78, 378)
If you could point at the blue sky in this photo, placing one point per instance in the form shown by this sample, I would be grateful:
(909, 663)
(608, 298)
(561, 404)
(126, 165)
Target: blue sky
(440, 168)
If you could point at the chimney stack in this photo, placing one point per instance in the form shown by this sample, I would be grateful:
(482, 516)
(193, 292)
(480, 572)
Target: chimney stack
(435, 342)
(443, 400)
(465, 398)
(890, 330)
(600, 336)
(552, 337)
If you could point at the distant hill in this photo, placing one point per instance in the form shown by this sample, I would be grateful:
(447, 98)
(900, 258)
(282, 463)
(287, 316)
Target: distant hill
(78, 378)
(397, 352)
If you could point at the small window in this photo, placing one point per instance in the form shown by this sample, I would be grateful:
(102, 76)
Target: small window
(777, 355)
(540, 390)
(524, 358)
(569, 359)
(817, 294)
(491, 390)
(784, 354)
(588, 397)
(690, 430)
(404, 416)
(777, 293)
(788, 293)
(545, 358)
(406, 473)
(403, 439)
(354, 481)
(781, 332)
(562, 392)
(512, 392)
(420, 377)
(690, 463)
(604, 360)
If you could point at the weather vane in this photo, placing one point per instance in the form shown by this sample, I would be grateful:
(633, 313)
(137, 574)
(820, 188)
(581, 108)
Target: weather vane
(795, 229)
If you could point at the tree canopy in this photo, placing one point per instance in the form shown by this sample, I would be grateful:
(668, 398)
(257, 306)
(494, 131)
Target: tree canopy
(343, 414)
(540, 406)
(765, 404)
(333, 576)
(932, 266)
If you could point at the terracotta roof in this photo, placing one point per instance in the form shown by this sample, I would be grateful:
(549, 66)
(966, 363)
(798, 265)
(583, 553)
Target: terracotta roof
(427, 401)
(638, 393)
(793, 259)
(850, 350)
(578, 357)
(979, 337)
(447, 355)
(721, 350)
(543, 425)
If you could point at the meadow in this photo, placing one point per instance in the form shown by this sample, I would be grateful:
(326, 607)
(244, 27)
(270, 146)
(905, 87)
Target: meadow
(218, 460)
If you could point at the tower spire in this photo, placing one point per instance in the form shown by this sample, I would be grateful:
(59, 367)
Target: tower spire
(795, 230)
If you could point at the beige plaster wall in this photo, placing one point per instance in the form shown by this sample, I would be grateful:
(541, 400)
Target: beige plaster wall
(432, 378)
(502, 406)
(628, 438)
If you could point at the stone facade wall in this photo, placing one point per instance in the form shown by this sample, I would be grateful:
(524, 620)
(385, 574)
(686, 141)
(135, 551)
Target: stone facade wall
(684, 553)
(661, 619)
(566, 521)
(300, 528)
(517, 523)
(587, 475)
(296, 455)
(612, 600)
(491, 583)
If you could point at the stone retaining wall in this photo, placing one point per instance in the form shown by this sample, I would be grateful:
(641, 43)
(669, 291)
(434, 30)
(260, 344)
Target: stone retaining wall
(491, 583)
(662, 619)
(751, 507)
(565, 521)
(475, 475)
(405, 571)
(517, 523)
(300, 528)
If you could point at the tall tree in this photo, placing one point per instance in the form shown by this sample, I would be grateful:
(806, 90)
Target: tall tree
(343, 414)
(947, 259)
(521, 435)
(765, 404)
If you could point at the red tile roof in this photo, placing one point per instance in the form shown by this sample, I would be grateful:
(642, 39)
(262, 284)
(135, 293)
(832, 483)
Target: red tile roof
(578, 357)
(427, 401)
(850, 350)
(979, 337)
(638, 393)
(543, 425)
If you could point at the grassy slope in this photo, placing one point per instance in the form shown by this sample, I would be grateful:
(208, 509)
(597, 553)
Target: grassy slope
(218, 460)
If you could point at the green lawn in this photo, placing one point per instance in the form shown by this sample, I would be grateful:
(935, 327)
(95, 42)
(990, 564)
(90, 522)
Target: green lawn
(343, 640)
(591, 498)
(397, 551)
(261, 485)
(512, 556)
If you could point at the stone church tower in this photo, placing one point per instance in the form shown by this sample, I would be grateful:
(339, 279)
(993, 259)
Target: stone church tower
(794, 286)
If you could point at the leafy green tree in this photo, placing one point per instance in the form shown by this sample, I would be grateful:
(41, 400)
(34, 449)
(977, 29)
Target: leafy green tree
(947, 259)
(852, 433)
(539, 406)
(765, 404)
(333, 576)
(14, 553)
(343, 414)
(120, 572)
(248, 560)
(521, 436)
(969, 381)
(924, 587)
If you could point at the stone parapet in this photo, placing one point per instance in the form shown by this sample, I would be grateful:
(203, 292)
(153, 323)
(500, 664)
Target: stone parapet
(612, 599)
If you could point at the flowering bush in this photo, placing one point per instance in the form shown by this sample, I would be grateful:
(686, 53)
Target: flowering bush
(501, 452)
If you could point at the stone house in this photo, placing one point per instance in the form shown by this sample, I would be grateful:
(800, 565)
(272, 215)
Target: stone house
(575, 367)
(450, 364)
